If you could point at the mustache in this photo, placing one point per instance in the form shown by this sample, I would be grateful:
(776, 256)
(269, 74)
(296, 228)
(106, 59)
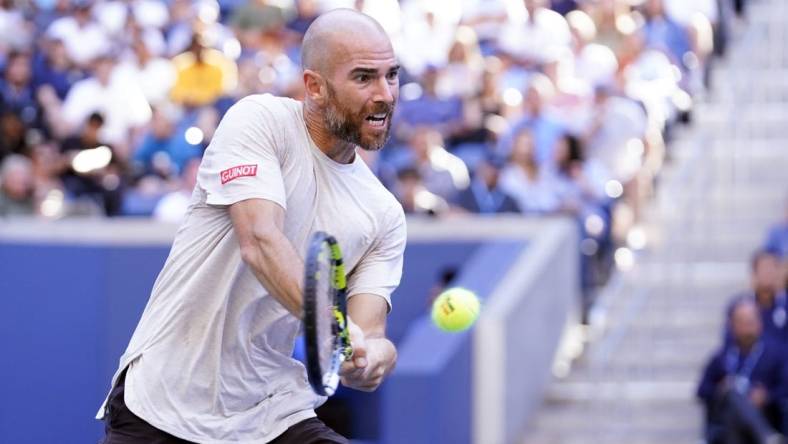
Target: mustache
(380, 108)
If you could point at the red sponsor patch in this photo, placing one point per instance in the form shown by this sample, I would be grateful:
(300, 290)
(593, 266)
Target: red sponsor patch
(237, 171)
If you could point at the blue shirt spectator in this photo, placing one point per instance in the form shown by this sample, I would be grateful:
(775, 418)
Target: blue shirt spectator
(16, 91)
(54, 69)
(545, 130)
(663, 33)
(442, 113)
(743, 378)
(546, 133)
(484, 196)
(169, 139)
(769, 295)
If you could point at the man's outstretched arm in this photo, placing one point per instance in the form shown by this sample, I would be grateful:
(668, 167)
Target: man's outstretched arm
(259, 223)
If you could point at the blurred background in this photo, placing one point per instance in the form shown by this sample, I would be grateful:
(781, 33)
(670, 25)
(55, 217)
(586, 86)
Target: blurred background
(610, 176)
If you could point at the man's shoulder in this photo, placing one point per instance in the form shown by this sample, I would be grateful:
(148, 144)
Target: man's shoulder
(270, 102)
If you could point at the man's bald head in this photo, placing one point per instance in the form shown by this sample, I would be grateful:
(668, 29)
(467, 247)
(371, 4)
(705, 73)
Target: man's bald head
(335, 34)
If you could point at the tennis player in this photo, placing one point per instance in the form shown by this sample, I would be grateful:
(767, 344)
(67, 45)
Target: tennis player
(210, 360)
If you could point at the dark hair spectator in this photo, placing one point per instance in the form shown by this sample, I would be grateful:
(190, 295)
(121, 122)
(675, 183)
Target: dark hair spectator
(741, 383)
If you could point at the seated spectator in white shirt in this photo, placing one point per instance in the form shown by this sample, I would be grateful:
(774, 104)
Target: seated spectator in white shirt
(426, 38)
(594, 62)
(532, 37)
(618, 120)
(154, 76)
(462, 74)
(85, 39)
(122, 104)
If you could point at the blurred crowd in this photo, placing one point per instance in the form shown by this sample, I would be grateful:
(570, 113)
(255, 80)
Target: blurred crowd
(530, 106)
(744, 386)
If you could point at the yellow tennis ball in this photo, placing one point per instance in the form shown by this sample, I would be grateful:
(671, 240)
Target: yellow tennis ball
(455, 309)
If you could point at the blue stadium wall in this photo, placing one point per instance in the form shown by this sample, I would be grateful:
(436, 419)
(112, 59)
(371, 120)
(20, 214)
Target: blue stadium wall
(67, 311)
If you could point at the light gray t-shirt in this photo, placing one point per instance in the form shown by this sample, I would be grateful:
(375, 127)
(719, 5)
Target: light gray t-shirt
(210, 360)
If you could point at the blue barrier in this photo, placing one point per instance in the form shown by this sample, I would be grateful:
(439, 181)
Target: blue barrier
(68, 308)
(67, 312)
(61, 334)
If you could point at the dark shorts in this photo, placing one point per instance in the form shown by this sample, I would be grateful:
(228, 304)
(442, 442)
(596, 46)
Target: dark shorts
(124, 427)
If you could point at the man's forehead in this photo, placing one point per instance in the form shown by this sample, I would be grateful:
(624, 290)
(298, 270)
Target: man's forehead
(375, 53)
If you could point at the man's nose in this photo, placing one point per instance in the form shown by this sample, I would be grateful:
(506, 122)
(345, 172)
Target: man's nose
(383, 91)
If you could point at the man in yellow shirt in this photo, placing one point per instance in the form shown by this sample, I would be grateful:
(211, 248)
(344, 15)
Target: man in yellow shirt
(203, 75)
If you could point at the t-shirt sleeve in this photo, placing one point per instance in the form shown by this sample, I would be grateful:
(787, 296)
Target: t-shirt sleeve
(243, 162)
(380, 270)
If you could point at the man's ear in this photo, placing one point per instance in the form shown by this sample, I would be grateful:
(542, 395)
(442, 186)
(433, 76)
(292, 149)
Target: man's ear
(315, 87)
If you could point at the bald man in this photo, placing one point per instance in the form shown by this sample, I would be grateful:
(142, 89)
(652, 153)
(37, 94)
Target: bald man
(210, 360)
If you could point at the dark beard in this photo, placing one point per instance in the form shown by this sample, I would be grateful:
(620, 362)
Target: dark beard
(346, 125)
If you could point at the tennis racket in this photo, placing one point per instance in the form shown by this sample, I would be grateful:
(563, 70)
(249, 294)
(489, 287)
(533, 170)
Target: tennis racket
(326, 333)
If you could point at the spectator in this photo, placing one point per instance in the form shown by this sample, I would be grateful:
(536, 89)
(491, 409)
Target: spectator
(614, 21)
(122, 104)
(174, 205)
(153, 76)
(16, 90)
(485, 17)
(48, 164)
(53, 69)
(102, 180)
(306, 12)
(665, 34)
(425, 24)
(777, 239)
(414, 196)
(463, 71)
(442, 173)
(428, 108)
(82, 36)
(768, 287)
(768, 293)
(740, 384)
(12, 135)
(615, 140)
(15, 31)
(526, 180)
(530, 37)
(164, 149)
(16, 186)
(544, 129)
(484, 195)
(595, 63)
(203, 75)
(581, 178)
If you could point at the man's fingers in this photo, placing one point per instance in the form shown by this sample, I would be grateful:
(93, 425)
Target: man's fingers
(359, 344)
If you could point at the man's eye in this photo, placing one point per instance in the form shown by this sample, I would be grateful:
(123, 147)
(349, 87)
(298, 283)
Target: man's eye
(362, 78)
(392, 75)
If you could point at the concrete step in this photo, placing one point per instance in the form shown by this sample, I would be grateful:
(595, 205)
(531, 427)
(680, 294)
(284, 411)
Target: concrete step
(656, 324)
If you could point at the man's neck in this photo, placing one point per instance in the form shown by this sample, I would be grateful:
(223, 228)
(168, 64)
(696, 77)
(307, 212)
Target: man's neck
(746, 347)
(337, 150)
(765, 297)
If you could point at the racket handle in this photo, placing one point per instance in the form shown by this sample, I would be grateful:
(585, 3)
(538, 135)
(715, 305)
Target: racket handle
(347, 352)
